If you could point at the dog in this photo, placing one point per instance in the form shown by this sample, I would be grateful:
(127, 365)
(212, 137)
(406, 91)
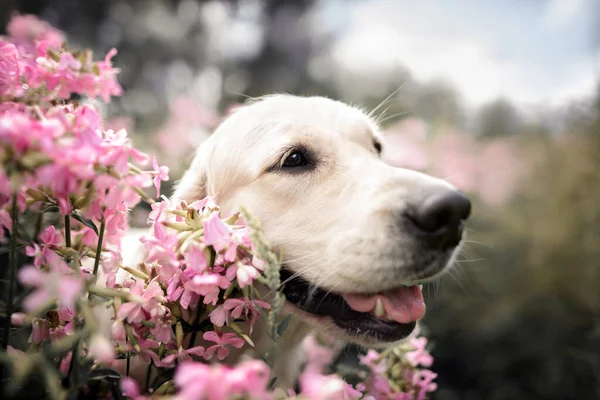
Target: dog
(358, 236)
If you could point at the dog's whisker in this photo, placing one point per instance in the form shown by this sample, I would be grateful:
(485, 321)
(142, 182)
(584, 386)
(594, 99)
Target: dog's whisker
(391, 95)
(479, 243)
(380, 116)
(389, 117)
(469, 261)
(325, 295)
(245, 96)
(457, 281)
(311, 292)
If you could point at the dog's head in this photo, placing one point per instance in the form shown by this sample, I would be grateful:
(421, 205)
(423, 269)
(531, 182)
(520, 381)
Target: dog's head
(357, 235)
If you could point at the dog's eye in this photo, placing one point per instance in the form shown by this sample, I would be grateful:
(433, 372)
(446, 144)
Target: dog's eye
(378, 147)
(294, 159)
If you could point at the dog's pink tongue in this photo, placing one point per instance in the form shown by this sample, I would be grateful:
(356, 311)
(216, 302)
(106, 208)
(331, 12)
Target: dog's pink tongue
(402, 305)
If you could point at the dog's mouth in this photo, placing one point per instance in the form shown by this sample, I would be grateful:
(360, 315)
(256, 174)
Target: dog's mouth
(383, 317)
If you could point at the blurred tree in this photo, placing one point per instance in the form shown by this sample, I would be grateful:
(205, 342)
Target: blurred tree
(169, 47)
(527, 325)
(498, 118)
(439, 103)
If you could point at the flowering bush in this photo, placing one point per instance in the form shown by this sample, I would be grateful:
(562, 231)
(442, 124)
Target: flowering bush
(490, 170)
(66, 186)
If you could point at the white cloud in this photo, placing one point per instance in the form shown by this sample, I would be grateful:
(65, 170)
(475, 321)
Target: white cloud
(384, 34)
(561, 12)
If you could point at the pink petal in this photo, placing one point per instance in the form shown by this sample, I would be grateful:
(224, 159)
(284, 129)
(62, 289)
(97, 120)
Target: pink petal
(197, 351)
(31, 276)
(208, 354)
(212, 336)
(216, 232)
(222, 353)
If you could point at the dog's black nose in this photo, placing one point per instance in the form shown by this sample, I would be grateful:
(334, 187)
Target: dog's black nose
(440, 215)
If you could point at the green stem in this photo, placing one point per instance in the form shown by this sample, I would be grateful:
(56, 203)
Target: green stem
(12, 272)
(68, 231)
(99, 247)
(74, 356)
(196, 322)
(38, 225)
(148, 373)
(128, 359)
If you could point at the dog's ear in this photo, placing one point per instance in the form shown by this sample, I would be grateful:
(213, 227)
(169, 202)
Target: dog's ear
(194, 184)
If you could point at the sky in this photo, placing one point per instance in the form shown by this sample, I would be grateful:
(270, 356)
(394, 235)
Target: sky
(531, 51)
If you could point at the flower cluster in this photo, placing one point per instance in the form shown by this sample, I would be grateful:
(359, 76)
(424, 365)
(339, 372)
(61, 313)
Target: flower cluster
(67, 184)
(492, 169)
(197, 264)
(36, 68)
(398, 373)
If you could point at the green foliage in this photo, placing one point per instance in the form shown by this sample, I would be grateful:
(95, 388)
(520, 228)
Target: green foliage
(498, 118)
(524, 321)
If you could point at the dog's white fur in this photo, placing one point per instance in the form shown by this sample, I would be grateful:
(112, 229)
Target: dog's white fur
(335, 225)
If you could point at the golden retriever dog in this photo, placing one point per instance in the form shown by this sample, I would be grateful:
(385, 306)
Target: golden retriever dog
(358, 236)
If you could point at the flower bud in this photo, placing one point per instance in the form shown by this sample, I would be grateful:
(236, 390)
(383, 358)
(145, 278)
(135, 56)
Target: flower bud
(118, 331)
(179, 334)
(18, 319)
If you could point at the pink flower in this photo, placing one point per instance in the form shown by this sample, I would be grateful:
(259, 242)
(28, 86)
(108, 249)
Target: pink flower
(419, 356)
(249, 377)
(66, 325)
(116, 219)
(160, 174)
(195, 260)
(162, 251)
(162, 330)
(18, 319)
(218, 382)
(206, 285)
(118, 331)
(219, 316)
(27, 29)
(182, 355)
(216, 233)
(247, 307)
(245, 274)
(221, 340)
(207, 202)
(147, 299)
(10, 70)
(318, 356)
(149, 356)
(39, 331)
(50, 239)
(157, 216)
(64, 288)
(200, 381)
(423, 380)
(130, 388)
(322, 387)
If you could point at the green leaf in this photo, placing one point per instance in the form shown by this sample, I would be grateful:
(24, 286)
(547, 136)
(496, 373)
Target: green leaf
(104, 374)
(81, 372)
(50, 208)
(272, 382)
(87, 222)
(283, 325)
